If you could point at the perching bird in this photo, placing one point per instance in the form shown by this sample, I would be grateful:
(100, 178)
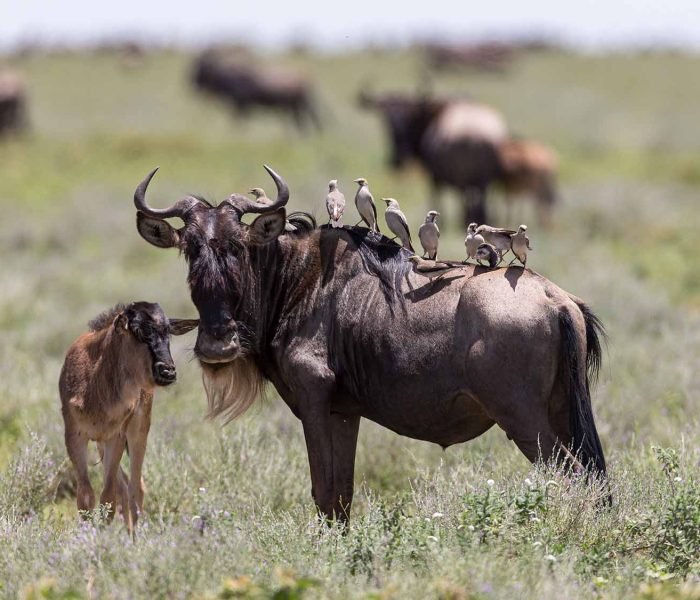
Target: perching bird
(365, 205)
(472, 241)
(335, 204)
(432, 269)
(486, 251)
(520, 244)
(497, 237)
(397, 223)
(261, 197)
(429, 235)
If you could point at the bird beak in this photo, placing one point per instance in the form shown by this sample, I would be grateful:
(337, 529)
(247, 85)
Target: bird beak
(358, 180)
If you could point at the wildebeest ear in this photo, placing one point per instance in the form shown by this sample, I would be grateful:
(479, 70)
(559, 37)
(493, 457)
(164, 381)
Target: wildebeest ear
(268, 226)
(157, 231)
(180, 326)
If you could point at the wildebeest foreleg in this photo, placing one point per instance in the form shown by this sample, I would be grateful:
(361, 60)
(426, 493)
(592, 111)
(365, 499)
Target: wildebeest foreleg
(114, 485)
(344, 432)
(316, 421)
(136, 437)
(76, 444)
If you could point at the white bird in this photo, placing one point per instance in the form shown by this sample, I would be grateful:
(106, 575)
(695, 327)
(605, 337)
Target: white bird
(335, 204)
(365, 205)
(432, 269)
(397, 223)
(520, 244)
(497, 237)
(487, 252)
(472, 241)
(261, 197)
(429, 235)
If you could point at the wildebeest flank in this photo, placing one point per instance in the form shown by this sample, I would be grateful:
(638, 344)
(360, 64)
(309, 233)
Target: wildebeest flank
(338, 322)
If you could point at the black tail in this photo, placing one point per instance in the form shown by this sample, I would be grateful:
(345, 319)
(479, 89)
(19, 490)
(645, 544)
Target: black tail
(578, 377)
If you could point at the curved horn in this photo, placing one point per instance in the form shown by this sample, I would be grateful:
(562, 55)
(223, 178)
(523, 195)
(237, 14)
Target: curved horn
(176, 210)
(246, 205)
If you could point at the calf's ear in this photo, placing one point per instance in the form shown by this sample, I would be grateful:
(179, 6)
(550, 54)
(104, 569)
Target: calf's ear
(180, 326)
(268, 226)
(158, 232)
(121, 322)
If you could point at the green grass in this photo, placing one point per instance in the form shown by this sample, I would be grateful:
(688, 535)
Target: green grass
(626, 128)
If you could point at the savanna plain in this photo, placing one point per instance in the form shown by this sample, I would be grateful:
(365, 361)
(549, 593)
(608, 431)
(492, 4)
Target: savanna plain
(228, 508)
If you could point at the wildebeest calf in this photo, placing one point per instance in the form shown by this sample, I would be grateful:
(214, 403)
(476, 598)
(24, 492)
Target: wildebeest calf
(106, 388)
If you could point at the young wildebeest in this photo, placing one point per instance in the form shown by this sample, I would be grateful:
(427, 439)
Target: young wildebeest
(106, 387)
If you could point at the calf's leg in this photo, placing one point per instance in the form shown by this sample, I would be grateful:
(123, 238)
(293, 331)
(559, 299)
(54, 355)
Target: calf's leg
(114, 489)
(136, 437)
(76, 445)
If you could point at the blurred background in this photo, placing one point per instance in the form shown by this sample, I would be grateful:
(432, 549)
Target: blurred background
(593, 140)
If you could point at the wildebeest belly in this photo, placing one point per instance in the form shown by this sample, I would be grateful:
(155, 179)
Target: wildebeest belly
(103, 423)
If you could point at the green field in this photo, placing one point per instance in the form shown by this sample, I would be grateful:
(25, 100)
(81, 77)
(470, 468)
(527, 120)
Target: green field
(229, 511)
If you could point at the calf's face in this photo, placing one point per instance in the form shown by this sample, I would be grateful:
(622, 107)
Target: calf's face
(149, 326)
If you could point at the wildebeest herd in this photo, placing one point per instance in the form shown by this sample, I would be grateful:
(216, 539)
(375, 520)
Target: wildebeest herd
(343, 321)
(345, 324)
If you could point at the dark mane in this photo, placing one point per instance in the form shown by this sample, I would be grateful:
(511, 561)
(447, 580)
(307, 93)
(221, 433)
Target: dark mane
(384, 259)
(105, 318)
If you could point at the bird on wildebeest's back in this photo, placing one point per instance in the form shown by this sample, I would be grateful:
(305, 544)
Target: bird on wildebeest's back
(261, 197)
(429, 235)
(487, 252)
(335, 204)
(398, 224)
(497, 237)
(520, 244)
(472, 241)
(432, 269)
(365, 205)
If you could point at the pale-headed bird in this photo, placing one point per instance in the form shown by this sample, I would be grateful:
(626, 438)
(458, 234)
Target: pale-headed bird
(497, 237)
(520, 244)
(432, 269)
(429, 235)
(487, 252)
(335, 204)
(365, 205)
(472, 241)
(397, 223)
(260, 195)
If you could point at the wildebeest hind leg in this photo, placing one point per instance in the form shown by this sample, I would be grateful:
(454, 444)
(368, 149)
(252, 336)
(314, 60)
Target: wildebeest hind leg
(76, 444)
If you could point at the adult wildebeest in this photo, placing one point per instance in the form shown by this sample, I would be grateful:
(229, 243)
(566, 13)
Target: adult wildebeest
(13, 103)
(459, 143)
(106, 388)
(245, 88)
(342, 327)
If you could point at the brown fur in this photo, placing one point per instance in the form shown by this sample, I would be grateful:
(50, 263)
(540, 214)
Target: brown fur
(106, 388)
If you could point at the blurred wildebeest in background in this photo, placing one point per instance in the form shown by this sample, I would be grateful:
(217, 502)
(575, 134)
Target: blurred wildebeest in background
(485, 56)
(246, 87)
(462, 144)
(13, 103)
(529, 167)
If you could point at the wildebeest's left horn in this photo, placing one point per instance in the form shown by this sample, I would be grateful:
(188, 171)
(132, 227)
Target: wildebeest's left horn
(246, 205)
(176, 210)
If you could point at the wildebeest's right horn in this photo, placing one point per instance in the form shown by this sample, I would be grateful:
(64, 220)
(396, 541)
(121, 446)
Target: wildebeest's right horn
(176, 210)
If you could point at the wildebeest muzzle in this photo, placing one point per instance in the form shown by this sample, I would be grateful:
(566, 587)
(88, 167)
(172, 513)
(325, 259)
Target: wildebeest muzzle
(217, 345)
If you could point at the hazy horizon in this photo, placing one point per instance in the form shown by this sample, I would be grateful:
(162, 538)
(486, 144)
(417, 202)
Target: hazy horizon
(591, 24)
